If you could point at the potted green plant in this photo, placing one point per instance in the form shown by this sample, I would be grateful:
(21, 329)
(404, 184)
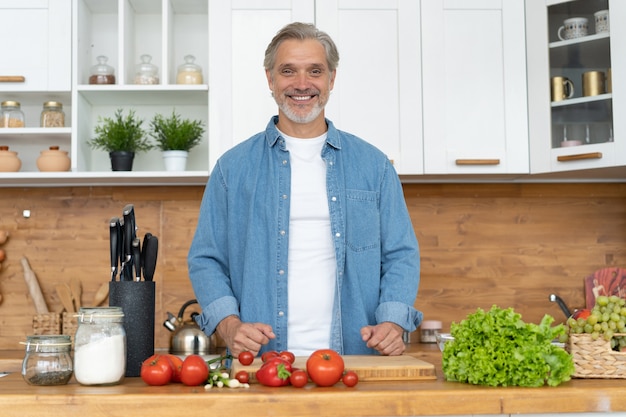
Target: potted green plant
(121, 136)
(175, 137)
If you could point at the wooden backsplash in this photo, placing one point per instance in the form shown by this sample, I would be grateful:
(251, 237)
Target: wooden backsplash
(481, 244)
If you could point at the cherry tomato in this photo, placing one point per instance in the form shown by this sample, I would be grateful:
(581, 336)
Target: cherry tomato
(243, 377)
(268, 355)
(177, 366)
(325, 367)
(246, 358)
(350, 379)
(298, 378)
(195, 371)
(288, 356)
(157, 370)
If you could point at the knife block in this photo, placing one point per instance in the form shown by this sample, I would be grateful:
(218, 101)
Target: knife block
(137, 299)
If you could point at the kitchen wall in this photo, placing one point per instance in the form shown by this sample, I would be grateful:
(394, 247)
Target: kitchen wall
(481, 244)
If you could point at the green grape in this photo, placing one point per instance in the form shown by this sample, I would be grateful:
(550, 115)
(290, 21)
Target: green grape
(605, 326)
(595, 335)
(588, 328)
(605, 317)
(597, 327)
(608, 335)
(602, 300)
(612, 325)
(614, 317)
(617, 308)
(593, 319)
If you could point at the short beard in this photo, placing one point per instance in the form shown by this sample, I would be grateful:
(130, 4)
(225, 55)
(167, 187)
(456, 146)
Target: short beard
(297, 118)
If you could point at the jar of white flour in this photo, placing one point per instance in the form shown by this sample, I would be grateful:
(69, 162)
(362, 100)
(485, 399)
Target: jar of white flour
(100, 346)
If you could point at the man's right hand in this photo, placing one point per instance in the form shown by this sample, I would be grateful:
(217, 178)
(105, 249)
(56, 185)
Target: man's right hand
(240, 336)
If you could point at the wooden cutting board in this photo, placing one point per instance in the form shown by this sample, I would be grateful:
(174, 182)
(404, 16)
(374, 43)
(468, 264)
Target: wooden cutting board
(367, 367)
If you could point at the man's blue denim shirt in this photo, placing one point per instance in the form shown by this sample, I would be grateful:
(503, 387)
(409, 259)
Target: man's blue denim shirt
(238, 257)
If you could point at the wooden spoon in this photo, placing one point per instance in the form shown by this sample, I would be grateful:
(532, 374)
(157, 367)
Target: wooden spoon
(77, 292)
(101, 294)
(65, 295)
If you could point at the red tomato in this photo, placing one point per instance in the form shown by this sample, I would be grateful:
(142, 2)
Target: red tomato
(246, 358)
(298, 378)
(195, 371)
(157, 370)
(243, 377)
(325, 367)
(268, 355)
(177, 367)
(350, 379)
(288, 356)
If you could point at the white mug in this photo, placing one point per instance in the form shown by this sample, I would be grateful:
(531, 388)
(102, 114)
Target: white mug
(574, 27)
(602, 21)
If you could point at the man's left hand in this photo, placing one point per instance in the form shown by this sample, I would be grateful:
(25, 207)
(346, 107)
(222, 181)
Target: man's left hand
(386, 338)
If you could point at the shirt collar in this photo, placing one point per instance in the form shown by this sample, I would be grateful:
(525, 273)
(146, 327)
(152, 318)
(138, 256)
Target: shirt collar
(272, 134)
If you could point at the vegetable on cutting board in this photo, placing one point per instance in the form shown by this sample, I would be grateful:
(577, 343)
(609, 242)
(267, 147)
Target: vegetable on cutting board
(497, 348)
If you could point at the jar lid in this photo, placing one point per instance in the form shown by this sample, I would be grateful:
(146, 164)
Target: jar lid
(37, 341)
(145, 67)
(431, 324)
(102, 68)
(189, 64)
(10, 103)
(53, 104)
(86, 314)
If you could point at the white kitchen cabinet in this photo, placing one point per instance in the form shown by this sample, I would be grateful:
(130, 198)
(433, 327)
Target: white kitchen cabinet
(591, 123)
(377, 90)
(474, 92)
(36, 39)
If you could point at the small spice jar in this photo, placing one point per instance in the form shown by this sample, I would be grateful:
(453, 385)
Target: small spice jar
(189, 72)
(429, 330)
(102, 73)
(9, 161)
(52, 114)
(100, 346)
(147, 73)
(47, 360)
(11, 114)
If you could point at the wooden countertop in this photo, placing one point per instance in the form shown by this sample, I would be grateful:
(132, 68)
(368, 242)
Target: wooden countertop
(432, 397)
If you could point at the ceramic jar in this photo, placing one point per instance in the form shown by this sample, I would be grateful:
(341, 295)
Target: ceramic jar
(53, 160)
(9, 161)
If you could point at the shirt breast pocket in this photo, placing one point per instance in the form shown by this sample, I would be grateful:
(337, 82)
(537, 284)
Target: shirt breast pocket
(362, 220)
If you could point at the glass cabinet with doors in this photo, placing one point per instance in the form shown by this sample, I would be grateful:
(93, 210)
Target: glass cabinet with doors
(577, 65)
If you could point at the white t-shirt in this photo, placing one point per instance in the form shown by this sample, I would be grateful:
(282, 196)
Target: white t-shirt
(311, 264)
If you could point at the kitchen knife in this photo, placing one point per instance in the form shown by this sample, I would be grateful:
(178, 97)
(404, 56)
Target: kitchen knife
(137, 259)
(114, 236)
(127, 253)
(149, 256)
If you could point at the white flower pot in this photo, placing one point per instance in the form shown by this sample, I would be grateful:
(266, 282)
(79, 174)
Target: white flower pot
(175, 160)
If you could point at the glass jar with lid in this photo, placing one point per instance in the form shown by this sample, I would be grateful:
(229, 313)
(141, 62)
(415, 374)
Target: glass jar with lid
(47, 360)
(11, 114)
(102, 73)
(100, 346)
(52, 114)
(147, 73)
(189, 72)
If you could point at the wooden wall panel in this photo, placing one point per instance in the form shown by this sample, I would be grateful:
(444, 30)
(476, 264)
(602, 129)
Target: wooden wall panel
(481, 244)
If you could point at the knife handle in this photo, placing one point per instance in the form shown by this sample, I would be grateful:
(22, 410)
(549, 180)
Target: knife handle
(150, 254)
(137, 259)
(114, 226)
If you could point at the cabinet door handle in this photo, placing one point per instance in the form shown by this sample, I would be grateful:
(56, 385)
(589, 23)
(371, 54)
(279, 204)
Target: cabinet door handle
(12, 79)
(477, 162)
(579, 156)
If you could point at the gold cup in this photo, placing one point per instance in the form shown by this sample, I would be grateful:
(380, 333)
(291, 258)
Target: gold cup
(561, 88)
(593, 83)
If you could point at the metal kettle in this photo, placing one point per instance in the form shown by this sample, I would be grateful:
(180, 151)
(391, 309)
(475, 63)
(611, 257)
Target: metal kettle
(187, 337)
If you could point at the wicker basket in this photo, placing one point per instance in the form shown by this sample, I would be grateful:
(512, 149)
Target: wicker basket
(595, 358)
(49, 323)
(70, 324)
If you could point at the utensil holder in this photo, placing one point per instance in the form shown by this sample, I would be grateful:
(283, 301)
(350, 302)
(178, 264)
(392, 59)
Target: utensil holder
(137, 299)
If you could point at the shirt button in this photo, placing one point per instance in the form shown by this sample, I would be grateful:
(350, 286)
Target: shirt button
(281, 272)
(282, 233)
(281, 313)
(337, 234)
(284, 196)
(284, 162)
(333, 198)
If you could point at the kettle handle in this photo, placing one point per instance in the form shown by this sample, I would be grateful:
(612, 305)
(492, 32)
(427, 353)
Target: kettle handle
(181, 312)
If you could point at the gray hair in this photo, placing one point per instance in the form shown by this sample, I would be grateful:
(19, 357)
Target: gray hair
(302, 31)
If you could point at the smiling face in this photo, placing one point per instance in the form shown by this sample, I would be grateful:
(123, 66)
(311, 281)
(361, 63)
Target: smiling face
(301, 83)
